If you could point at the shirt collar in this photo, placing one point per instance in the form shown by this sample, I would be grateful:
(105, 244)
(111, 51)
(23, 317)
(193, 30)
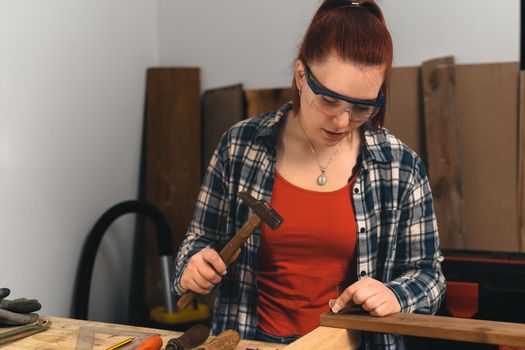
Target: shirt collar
(376, 145)
(270, 126)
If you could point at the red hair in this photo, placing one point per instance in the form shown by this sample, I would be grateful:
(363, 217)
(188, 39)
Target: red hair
(357, 33)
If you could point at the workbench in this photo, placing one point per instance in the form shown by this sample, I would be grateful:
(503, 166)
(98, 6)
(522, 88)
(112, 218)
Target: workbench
(337, 331)
(70, 334)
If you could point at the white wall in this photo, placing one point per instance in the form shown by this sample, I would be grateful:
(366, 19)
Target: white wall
(254, 42)
(72, 78)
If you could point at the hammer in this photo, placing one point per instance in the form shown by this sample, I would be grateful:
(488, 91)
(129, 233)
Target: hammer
(262, 212)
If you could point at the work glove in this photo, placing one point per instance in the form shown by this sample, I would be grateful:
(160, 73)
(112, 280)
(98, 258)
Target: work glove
(18, 311)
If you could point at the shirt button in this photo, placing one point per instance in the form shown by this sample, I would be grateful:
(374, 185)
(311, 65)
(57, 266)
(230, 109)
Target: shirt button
(356, 190)
(362, 230)
(363, 273)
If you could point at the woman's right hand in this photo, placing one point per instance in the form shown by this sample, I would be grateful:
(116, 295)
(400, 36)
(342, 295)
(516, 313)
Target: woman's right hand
(204, 271)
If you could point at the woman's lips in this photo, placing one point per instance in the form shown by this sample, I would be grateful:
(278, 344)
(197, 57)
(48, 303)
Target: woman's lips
(334, 135)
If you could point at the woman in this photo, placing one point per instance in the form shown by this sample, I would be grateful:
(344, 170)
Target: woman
(359, 226)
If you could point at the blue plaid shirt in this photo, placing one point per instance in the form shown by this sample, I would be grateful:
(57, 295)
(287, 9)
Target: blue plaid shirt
(397, 233)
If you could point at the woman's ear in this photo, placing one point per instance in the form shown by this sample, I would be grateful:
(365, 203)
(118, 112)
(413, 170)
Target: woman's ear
(299, 74)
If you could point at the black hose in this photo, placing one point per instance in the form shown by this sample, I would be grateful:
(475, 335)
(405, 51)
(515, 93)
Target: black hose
(89, 251)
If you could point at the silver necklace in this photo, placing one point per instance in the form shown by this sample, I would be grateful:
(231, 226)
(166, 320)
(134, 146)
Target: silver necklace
(321, 179)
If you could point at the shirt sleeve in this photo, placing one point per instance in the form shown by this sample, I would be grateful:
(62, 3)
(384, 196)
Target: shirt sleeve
(418, 281)
(209, 218)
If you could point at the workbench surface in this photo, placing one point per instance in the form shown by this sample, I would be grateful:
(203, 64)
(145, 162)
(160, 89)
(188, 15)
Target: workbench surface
(64, 334)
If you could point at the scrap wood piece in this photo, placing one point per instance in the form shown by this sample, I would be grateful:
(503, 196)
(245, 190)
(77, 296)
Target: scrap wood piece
(265, 100)
(441, 327)
(443, 149)
(221, 109)
(327, 338)
(24, 331)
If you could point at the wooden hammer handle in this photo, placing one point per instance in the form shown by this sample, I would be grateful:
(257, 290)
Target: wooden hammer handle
(238, 240)
(226, 253)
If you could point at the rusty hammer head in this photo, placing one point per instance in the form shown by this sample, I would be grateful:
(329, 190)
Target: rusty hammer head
(263, 210)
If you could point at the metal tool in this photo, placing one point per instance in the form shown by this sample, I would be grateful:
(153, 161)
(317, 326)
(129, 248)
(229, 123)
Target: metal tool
(24, 331)
(193, 337)
(262, 212)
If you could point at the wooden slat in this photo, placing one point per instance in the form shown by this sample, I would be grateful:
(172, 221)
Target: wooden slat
(265, 100)
(173, 151)
(488, 109)
(327, 338)
(221, 108)
(451, 328)
(521, 161)
(404, 113)
(443, 149)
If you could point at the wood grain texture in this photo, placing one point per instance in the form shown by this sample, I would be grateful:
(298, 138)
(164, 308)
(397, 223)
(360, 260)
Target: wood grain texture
(404, 109)
(451, 328)
(64, 332)
(444, 156)
(221, 109)
(173, 151)
(265, 100)
(327, 338)
(488, 109)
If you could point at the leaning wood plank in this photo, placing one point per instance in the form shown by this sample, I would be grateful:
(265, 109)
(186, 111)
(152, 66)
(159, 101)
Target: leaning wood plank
(327, 338)
(443, 150)
(451, 328)
(172, 160)
(265, 100)
(521, 161)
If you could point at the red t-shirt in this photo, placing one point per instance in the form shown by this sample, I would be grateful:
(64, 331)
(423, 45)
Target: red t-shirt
(301, 264)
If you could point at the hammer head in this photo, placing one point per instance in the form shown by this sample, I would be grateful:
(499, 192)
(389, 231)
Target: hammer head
(263, 210)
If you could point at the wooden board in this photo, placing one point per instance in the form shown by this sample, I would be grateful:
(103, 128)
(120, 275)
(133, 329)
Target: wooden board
(444, 156)
(173, 151)
(327, 338)
(404, 115)
(451, 328)
(64, 332)
(266, 100)
(221, 108)
(487, 99)
(488, 109)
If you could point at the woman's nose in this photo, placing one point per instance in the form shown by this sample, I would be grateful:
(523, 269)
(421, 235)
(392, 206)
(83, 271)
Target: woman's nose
(343, 119)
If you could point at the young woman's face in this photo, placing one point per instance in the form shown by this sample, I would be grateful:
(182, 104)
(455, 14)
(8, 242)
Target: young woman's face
(326, 119)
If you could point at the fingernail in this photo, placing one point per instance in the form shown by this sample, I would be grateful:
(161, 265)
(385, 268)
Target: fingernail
(331, 303)
(336, 308)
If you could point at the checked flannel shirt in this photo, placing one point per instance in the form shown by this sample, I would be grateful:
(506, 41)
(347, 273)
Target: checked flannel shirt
(397, 238)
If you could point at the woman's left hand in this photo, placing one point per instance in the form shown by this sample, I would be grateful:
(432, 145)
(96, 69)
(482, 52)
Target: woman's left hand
(371, 294)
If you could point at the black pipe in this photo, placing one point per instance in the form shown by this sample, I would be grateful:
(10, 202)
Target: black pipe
(522, 36)
(89, 251)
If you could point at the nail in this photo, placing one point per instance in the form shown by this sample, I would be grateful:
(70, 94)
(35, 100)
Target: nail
(331, 303)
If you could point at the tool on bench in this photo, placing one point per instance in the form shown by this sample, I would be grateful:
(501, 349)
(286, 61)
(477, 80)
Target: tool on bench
(193, 337)
(153, 342)
(17, 312)
(262, 212)
(227, 340)
(24, 331)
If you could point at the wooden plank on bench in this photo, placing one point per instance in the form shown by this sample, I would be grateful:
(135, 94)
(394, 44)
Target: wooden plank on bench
(441, 327)
(327, 338)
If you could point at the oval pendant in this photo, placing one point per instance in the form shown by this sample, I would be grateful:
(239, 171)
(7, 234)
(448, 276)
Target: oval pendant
(321, 180)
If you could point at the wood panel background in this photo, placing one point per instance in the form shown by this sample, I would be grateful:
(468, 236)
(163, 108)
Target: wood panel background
(487, 98)
(173, 153)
